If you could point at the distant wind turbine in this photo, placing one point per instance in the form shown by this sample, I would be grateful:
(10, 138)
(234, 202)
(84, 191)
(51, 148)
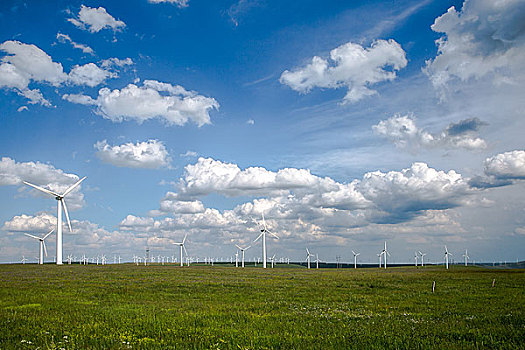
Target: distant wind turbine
(242, 251)
(60, 203)
(416, 257)
(385, 253)
(237, 259)
(446, 256)
(466, 257)
(42, 249)
(181, 245)
(422, 258)
(355, 259)
(264, 231)
(317, 261)
(308, 257)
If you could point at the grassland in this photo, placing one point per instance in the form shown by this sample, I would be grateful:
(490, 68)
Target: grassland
(167, 307)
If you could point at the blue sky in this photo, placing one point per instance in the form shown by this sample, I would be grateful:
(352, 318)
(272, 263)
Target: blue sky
(346, 123)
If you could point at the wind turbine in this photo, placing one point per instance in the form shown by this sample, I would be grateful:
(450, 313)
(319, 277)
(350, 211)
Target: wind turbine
(308, 257)
(380, 255)
(181, 245)
(446, 256)
(264, 231)
(422, 258)
(237, 259)
(272, 259)
(385, 253)
(317, 260)
(60, 203)
(466, 257)
(42, 248)
(415, 257)
(23, 260)
(355, 259)
(242, 250)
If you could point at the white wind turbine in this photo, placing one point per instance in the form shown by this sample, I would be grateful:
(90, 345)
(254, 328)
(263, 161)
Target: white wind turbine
(23, 260)
(60, 203)
(42, 249)
(237, 259)
(446, 256)
(422, 258)
(264, 231)
(242, 251)
(308, 257)
(181, 245)
(385, 253)
(272, 259)
(355, 259)
(380, 255)
(317, 260)
(466, 257)
(416, 257)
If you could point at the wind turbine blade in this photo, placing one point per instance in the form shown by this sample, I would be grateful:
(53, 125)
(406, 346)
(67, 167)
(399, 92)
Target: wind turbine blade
(43, 189)
(358, 254)
(264, 222)
(387, 253)
(50, 232)
(67, 214)
(35, 237)
(73, 187)
(248, 247)
(45, 249)
(185, 251)
(446, 250)
(184, 240)
(258, 237)
(307, 251)
(353, 252)
(273, 234)
(238, 247)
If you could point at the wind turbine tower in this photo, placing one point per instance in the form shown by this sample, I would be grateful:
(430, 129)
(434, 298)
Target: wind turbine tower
(60, 203)
(466, 257)
(264, 231)
(242, 251)
(181, 246)
(42, 249)
(422, 258)
(355, 259)
(308, 257)
(446, 256)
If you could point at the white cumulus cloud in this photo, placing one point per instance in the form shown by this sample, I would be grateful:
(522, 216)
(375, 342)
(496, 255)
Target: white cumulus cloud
(352, 66)
(484, 37)
(171, 103)
(96, 19)
(508, 165)
(150, 154)
(404, 133)
(89, 74)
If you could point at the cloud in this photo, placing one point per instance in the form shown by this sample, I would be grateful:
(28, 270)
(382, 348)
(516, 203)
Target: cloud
(22, 108)
(179, 3)
(63, 38)
(507, 166)
(44, 175)
(171, 103)
(116, 62)
(484, 38)
(353, 67)
(24, 63)
(41, 223)
(172, 204)
(250, 122)
(89, 74)
(96, 19)
(189, 154)
(403, 132)
(415, 189)
(151, 154)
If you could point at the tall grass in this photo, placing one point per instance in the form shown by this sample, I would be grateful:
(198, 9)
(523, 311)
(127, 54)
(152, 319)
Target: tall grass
(168, 307)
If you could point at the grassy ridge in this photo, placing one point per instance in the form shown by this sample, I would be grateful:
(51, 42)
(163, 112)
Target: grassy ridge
(163, 307)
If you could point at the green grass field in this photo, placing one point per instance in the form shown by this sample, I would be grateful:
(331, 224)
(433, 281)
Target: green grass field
(168, 307)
